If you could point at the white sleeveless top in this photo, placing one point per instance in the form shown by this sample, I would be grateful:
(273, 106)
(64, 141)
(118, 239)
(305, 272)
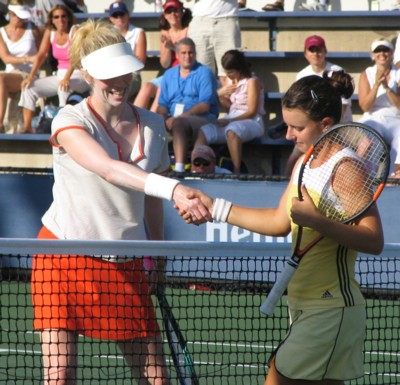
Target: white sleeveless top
(26, 46)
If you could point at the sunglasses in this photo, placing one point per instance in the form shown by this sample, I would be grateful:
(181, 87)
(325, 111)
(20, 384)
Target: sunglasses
(382, 49)
(59, 16)
(118, 15)
(201, 162)
(170, 10)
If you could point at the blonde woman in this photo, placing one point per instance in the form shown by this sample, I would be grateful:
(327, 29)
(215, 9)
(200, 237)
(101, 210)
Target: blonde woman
(112, 153)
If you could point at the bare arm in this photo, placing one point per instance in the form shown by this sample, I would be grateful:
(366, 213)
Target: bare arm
(39, 59)
(197, 109)
(141, 47)
(366, 94)
(166, 48)
(89, 154)
(365, 236)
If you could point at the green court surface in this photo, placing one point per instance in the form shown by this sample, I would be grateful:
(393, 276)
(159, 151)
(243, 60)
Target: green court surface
(229, 339)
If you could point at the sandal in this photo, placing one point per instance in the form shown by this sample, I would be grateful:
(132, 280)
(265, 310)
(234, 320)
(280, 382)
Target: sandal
(273, 7)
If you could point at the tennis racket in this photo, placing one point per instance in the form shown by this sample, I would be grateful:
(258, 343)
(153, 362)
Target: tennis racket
(180, 354)
(349, 167)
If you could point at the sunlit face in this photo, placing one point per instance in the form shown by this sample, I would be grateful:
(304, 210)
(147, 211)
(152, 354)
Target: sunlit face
(383, 55)
(186, 56)
(315, 56)
(60, 20)
(173, 15)
(301, 129)
(112, 91)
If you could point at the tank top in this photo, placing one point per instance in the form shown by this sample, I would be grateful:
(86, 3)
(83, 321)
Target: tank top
(61, 52)
(25, 46)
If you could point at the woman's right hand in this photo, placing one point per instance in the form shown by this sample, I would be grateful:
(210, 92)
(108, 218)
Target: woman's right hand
(26, 83)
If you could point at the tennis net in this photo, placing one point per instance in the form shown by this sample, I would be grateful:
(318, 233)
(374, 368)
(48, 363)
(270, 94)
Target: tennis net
(215, 290)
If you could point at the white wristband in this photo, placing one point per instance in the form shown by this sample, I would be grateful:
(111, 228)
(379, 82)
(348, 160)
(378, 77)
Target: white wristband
(221, 209)
(159, 186)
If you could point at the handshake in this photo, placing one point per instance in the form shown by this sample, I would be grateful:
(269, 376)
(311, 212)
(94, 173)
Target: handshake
(196, 207)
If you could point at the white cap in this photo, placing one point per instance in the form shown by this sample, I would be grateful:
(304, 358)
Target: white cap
(22, 11)
(380, 43)
(111, 61)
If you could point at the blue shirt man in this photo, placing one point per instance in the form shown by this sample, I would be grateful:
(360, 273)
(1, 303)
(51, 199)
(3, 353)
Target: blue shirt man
(188, 99)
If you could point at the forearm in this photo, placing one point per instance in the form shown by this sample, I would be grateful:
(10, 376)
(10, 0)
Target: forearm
(393, 97)
(198, 109)
(365, 236)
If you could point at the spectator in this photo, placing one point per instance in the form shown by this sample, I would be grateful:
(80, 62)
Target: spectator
(188, 99)
(19, 42)
(57, 36)
(174, 25)
(111, 153)
(136, 37)
(379, 98)
(215, 30)
(315, 53)
(244, 97)
(204, 161)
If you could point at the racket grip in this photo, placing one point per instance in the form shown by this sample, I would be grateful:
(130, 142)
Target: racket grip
(279, 288)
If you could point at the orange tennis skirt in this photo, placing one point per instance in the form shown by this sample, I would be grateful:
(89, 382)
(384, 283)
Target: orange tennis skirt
(91, 296)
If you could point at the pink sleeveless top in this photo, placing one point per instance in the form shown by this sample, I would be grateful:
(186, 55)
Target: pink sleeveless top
(61, 52)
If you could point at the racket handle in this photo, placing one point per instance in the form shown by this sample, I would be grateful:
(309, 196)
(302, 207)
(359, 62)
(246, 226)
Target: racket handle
(279, 288)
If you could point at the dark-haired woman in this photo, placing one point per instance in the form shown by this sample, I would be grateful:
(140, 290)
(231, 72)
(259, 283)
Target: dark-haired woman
(324, 345)
(57, 35)
(243, 96)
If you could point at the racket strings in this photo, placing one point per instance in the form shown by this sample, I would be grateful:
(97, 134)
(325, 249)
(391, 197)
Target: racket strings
(347, 167)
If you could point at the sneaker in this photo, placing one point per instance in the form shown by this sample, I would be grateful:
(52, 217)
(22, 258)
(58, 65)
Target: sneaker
(313, 7)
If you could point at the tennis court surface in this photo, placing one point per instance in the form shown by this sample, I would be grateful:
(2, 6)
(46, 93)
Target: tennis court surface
(215, 291)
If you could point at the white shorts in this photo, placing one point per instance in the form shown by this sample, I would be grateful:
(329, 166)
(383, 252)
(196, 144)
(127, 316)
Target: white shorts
(246, 130)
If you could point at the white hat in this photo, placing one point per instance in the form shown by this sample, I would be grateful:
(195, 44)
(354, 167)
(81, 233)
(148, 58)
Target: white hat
(380, 43)
(22, 11)
(111, 61)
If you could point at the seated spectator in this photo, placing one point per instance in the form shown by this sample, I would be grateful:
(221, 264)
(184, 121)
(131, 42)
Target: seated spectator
(136, 37)
(57, 36)
(188, 99)
(379, 98)
(204, 161)
(315, 53)
(19, 42)
(320, 5)
(244, 97)
(174, 24)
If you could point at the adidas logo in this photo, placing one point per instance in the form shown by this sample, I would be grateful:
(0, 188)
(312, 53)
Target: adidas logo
(327, 294)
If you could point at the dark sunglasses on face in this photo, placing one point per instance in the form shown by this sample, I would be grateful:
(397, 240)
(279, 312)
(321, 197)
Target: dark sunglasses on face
(118, 15)
(382, 49)
(170, 10)
(201, 162)
(60, 16)
(315, 50)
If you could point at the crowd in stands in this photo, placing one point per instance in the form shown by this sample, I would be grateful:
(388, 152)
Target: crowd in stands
(206, 90)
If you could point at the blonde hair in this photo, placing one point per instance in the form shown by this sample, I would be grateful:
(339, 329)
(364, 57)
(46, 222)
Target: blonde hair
(91, 36)
(16, 2)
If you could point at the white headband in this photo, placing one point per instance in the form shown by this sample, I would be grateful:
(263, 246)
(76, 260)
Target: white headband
(111, 61)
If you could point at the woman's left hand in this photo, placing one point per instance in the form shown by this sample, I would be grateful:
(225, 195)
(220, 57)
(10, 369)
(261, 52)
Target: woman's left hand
(304, 212)
(64, 85)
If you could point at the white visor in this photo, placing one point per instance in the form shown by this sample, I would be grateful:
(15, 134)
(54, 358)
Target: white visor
(111, 61)
(381, 43)
(21, 11)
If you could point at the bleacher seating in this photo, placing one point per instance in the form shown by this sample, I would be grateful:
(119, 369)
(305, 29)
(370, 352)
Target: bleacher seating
(273, 42)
